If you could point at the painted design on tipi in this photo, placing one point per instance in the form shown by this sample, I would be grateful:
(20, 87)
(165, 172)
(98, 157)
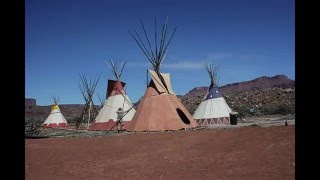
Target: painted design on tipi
(116, 98)
(56, 118)
(159, 109)
(213, 109)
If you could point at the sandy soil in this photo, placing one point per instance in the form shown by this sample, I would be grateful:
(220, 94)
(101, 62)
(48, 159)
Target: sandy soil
(236, 153)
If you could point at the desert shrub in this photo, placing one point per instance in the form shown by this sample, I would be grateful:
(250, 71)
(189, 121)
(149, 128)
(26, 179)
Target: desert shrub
(74, 119)
(280, 109)
(242, 111)
(34, 120)
(283, 109)
(32, 126)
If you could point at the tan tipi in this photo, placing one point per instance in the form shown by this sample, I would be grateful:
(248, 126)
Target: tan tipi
(116, 98)
(159, 109)
(213, 109)
(56, 118)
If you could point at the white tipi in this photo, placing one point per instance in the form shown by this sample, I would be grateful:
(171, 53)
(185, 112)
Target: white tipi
(213, 109)
(56, 118)
(116, 98)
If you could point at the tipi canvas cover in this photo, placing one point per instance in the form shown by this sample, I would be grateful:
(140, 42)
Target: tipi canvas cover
(160, 109)
(213, 109)
(55, 119)
(116, 98)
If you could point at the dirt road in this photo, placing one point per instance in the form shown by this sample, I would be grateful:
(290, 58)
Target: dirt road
(240, 153)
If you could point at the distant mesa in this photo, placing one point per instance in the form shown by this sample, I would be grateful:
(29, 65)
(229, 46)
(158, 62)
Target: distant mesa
(30, 102)
(280, 81)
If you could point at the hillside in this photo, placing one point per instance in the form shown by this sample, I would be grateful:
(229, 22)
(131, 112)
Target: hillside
(268, 95)
(278, 81)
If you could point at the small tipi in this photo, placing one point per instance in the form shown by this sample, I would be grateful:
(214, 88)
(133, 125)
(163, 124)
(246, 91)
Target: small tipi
(159, 109)
(56, 118)
(213, 109)
(116, 98)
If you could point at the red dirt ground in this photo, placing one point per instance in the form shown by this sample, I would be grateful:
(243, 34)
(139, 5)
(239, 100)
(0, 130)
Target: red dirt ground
(239, 153)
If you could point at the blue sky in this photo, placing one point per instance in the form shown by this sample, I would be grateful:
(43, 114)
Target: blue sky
(247, 39)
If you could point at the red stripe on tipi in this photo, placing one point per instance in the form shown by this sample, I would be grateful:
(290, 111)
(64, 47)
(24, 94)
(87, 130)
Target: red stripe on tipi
(108, 125)
(54, 125)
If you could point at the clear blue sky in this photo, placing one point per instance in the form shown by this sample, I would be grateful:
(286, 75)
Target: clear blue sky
(247, 39)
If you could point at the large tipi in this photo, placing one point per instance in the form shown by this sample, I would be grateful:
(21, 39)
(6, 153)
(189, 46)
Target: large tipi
(213, 109)
(56, 118)
(116, 98)
(159, 109)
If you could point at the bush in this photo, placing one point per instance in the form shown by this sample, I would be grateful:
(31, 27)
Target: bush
(34, 120)
(242, 111)
(260, 111)
(32, 127)
(75, 119)
(281, 109)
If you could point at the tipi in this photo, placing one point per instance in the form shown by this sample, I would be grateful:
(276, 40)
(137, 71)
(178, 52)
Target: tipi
(116, 98)
(213, 109)
(56, 118)
(159, 109)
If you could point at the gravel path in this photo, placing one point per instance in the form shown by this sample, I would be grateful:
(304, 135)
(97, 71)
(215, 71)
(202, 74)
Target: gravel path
(250, 121)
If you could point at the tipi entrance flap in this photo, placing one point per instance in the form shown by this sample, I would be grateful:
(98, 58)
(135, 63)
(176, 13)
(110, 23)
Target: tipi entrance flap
(158, 83)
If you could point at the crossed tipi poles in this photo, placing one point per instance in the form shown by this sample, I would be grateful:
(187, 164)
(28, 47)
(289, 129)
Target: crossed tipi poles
(89, 111)
(55, 100)
(117, 72)
(159, 109)
(213, 73)
(157, 54)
